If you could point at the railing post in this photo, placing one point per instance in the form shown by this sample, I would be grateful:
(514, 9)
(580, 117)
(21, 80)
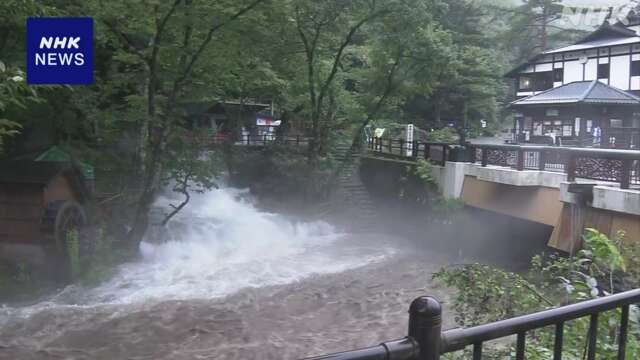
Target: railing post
(485, 157)
(297, 140)
(389, 146)
(520, 159)
(427, 151)
(542, 159)
(415, 147)
(402, 152)
(425, 326)
(625, 182)
(571, 166)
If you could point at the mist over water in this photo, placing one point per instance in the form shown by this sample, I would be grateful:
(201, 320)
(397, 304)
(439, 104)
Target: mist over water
(221, 243)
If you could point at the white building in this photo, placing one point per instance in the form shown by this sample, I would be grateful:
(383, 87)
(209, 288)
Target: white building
(548, 108)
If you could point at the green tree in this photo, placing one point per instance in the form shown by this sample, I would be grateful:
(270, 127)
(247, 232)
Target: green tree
(166, 46)
(326, 29)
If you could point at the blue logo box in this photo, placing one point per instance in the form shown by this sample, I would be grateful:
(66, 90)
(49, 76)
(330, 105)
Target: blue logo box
(60, 50)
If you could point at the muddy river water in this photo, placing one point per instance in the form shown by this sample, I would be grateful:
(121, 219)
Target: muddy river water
(234, 282)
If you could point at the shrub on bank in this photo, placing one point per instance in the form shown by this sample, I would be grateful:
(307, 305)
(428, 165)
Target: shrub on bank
(486, 294)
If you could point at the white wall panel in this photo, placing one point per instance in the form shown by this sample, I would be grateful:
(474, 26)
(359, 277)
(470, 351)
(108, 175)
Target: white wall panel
(591, 70)
(572, 71)
(635, 83)
(544, 67)
(620, 72)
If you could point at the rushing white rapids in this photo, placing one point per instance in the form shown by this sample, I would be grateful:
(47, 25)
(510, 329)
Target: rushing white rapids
(221, 243)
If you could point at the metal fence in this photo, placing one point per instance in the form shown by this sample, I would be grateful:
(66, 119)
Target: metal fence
(427, 341)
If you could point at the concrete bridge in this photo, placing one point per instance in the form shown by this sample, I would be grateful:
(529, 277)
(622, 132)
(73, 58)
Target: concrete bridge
(568, 189)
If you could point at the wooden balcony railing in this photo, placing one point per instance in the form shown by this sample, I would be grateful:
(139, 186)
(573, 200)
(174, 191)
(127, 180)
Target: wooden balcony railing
(426, 340)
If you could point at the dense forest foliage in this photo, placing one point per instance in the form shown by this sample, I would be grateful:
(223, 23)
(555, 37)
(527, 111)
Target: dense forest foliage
(335, 66)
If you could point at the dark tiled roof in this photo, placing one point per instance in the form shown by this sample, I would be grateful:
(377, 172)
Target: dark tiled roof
(588, 92)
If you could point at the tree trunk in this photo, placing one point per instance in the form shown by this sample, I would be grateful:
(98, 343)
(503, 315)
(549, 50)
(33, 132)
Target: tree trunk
(314, 142)
(465, 122)
(437, 112)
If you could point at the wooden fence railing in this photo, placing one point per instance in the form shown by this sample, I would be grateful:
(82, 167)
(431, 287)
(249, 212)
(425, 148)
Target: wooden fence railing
(618, 166)
(252, 140)
(436, 152)
(427, 341)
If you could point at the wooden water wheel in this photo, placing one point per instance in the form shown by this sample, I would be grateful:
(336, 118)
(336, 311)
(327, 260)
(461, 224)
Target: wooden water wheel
(70, 217)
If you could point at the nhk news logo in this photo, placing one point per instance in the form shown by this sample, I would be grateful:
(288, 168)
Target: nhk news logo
(60, 50)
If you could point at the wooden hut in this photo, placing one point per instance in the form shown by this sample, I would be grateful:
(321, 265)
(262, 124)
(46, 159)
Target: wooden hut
(40, 202)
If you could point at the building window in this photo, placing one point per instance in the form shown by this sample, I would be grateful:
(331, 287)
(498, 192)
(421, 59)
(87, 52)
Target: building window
(567, 128)
(525, 83)
(558, 75)
(635, 68)
(603, 71)
(544, 81)
(617, 123)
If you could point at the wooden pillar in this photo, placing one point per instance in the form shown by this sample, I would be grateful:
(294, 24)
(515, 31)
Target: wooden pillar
(583, 125)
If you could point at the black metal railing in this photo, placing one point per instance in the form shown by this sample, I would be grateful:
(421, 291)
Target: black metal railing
(618, 166)
(426, 340)
(412, 150)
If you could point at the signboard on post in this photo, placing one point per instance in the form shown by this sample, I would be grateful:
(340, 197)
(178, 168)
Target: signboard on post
(409, 139)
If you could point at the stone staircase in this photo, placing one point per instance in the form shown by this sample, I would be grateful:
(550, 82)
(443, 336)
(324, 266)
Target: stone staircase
(350, 202)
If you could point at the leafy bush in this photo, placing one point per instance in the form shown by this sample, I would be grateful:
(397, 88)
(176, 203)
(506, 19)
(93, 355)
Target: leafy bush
(424, 171)
(487, 294)
(444, 135)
